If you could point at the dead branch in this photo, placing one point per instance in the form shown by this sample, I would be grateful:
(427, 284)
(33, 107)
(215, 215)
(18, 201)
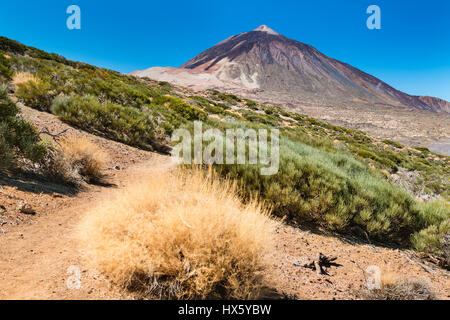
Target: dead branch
(46, 131)
(320, 264)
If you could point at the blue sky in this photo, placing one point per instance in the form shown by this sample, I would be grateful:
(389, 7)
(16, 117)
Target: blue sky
(411, 51)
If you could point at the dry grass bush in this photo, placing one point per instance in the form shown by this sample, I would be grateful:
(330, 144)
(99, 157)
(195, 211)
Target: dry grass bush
(180, 235)
(24, 77)
(76, 159)
(397, 288)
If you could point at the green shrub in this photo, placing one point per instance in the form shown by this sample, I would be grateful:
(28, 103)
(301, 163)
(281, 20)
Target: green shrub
(431, 239)
(15, 47)
(18, 138)
(435, 221)
(368, 155)
(5, 68)
(251, 104)
(260, 118)
(124, 124)
(393, 143)
(201, 101)
(214, 109)
(181, 108)
(36, 94)
(422, 149)
(114, 90)
(12, 46)
(331, 190)
(229, 98)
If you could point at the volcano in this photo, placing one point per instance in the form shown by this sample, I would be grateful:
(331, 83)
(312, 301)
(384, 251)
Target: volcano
(265, 62)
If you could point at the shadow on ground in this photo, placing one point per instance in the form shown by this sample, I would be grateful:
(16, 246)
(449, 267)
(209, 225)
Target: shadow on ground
(35, 183)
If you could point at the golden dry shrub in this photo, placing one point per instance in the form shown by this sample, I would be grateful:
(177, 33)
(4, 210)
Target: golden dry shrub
(180, 235)
(86, 156)
(24, 77)
(76, 159)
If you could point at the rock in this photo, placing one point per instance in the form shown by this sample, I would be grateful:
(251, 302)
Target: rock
(27, 209)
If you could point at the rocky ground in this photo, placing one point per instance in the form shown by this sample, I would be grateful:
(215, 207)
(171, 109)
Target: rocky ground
(39, 253)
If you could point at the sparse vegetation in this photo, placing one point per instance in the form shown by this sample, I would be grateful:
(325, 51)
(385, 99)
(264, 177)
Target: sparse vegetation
(395, 288)
(75, 159)
(180, 236)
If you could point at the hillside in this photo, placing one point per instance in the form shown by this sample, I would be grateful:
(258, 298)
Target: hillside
(338, 182)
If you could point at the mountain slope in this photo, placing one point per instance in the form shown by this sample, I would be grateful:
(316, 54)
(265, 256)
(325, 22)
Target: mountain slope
(264, 60)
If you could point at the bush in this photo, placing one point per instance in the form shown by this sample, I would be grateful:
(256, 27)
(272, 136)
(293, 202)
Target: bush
(7, 151)
(181, 108)
(13, 46)
(393, 143)
(402, 289)
(182, 236)
(35, 93)
(435, 221)
(431, 239)
(86, 156)
(251, 104)
(74, 160)
(24, 77)
(18, 138)
(5, 68)
(229, 98)
(331, 190)
(124, 124)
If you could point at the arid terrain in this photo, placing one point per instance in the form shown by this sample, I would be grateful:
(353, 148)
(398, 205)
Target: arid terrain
(38, 249)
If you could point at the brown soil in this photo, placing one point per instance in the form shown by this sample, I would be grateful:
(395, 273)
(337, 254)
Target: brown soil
(36, 251)
(346, 281)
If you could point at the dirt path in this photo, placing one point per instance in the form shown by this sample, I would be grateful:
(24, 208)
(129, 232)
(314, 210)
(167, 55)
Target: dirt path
(39, 258)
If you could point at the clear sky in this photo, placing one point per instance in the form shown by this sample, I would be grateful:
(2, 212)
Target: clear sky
(411, 52)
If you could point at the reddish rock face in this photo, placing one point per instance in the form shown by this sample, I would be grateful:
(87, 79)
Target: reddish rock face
(264, 60)
(436, 103)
